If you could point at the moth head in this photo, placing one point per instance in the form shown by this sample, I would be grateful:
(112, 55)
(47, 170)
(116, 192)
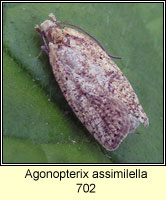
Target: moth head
(52, 31)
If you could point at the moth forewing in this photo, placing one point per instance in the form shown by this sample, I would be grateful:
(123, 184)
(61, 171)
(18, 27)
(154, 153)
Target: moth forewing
(95, 88)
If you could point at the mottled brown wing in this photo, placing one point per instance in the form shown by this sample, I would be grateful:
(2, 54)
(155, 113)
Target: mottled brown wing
(95, 88)
(106, 118)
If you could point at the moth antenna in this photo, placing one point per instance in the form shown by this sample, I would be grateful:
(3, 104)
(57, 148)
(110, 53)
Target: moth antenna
(66, 23)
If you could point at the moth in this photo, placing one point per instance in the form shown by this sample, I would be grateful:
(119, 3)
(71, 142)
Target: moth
(93, 85)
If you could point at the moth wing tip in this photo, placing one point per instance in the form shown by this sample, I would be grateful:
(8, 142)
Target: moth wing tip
(146, 123)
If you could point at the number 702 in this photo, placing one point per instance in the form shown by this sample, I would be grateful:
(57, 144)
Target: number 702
(86, 188)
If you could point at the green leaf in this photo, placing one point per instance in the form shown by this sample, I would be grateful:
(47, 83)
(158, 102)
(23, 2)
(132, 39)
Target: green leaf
(38, 124)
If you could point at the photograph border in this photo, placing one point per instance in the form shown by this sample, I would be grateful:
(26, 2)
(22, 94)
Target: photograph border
(82, 164)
